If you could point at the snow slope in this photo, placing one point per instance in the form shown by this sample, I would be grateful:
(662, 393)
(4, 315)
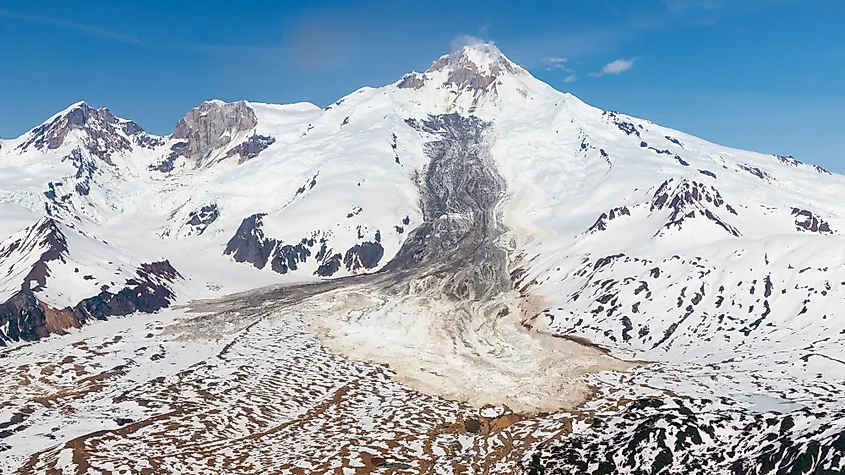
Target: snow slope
(721, 267)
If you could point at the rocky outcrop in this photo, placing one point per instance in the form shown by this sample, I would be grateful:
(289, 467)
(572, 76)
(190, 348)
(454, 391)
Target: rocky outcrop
(251, 147)
(627, 127)
(23, 317)
(249, 243)
(806, 221)
(44, 238)
(212, 126)
(104, 134)
(788, 160)
(755, 171)
(673, 436)
(605, 218)
(147, 293)
(201, 219)
(689, 200)
(464, 72)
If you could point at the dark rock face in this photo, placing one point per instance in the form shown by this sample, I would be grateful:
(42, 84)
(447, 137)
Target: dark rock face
(203, 218)
(691, 199)
(674, 141)
(412, 81)
(250, 148)
(624, 126)
(755, 171)
(363, 256)
(676, 436)
(59, 193)
(604, 218)
(821, 170)
(249, 243)
(806, 221)
(45, 235)
(212, 126)
(28, 319)
(328, 266)
(788, 160)
(707, 173)
(681, 161)
(286, 257)
(147, 293)
(25, 318)
(168, 164)
(465, 74)
(105, 134)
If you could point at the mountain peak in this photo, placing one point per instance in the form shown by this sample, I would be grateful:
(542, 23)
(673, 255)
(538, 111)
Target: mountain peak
(484, 56)
(475, 67)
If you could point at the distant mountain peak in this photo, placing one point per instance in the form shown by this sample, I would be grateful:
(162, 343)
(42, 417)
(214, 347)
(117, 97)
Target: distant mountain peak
(212, 126)
(477, 56)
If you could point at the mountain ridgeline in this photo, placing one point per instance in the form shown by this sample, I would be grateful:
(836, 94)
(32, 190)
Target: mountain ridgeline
(629, 298)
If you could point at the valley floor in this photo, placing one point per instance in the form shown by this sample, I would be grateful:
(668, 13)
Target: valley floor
(156, 397)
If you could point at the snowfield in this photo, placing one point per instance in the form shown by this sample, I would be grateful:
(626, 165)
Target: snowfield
(465, 271)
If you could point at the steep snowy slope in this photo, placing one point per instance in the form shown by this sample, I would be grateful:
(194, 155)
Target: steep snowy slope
(486, 237)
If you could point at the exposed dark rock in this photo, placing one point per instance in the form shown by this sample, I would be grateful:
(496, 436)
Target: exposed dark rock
(788, 160)
(674, 141)
(681, 161)
(329, 266)
(251, 147)
(179, 149)
(211, 126)
(806, 221)
(690, 199)
(677, 436)
(286, 257)
(147, 293)
(363, 256)
(605, 218)
(755, 171)
(821, 170)
(101, 132)
(203, 218)
(249, 243)
(707, 173)
(627, 127)
(28, 319)
(412, 81)
(464, 74)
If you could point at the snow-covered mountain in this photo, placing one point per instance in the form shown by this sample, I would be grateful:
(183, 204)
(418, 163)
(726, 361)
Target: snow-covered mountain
(452, 221)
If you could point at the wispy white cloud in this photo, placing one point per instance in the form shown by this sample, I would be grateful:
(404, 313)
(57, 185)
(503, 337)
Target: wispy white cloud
(615, 67)
(557, 63)
(466, 40)
(570, 79)
(90, 30)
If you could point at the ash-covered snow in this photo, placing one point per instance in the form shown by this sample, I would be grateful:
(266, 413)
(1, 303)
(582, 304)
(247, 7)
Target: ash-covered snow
(723, 269)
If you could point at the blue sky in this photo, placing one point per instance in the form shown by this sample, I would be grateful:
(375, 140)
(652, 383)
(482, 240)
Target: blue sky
(766, 75)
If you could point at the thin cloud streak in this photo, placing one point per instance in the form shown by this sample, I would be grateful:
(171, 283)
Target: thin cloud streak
(72, 25)
(615, 67)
